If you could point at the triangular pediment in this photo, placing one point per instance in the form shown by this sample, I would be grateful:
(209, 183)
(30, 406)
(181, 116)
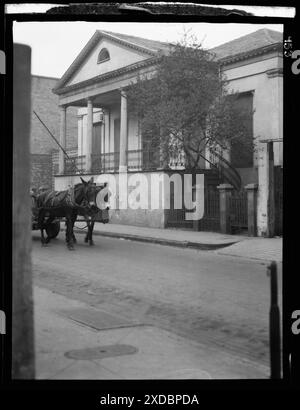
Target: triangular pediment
(122, 53)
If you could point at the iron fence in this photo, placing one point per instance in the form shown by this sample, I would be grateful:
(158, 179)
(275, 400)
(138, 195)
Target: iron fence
(211, 218)
(238, 210)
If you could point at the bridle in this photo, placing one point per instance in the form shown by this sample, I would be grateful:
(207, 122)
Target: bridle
(85, 203)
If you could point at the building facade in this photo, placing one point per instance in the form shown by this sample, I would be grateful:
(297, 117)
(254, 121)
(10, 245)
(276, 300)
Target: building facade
(109, 138)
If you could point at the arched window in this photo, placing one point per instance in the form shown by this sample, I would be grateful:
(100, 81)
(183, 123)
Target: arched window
(103, 56)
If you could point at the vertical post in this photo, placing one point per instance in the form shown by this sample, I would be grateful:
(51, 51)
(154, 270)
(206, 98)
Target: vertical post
(89, 136)
(62, 139)
(265, 200)
(80, 141)
(225, 191)
(123, 133)
(271, 199)
(275, 355)
(22, 312)
(251, 206)
(106, 149)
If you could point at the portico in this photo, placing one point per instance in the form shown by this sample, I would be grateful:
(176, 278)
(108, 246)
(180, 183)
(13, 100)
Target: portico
(105, 139)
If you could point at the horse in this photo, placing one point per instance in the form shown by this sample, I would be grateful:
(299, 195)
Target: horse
(91, 215)
(54, 204)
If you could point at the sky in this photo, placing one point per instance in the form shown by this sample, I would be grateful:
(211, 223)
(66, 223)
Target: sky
(55, 45)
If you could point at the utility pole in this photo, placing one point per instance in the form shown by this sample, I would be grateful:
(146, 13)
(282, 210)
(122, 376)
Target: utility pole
(22, 311)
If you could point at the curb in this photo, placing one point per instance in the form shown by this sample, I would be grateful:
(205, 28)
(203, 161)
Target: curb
(160, 241)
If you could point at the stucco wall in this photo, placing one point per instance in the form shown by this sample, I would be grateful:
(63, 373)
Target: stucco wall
(82, 128)
(267, 98)
(120, 56)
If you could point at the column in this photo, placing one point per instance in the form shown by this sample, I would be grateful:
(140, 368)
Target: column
(225, 194)
(106, 150)
(275, 80)
(62, 139)
(251, 205)
(123, 133)
(265, 199)
(89, 136)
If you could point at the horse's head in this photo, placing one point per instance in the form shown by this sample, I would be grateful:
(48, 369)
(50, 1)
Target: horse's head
(88, 193)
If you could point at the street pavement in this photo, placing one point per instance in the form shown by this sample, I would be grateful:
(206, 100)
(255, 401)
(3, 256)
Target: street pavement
(235, 245)
(201, 314)
(158, 354)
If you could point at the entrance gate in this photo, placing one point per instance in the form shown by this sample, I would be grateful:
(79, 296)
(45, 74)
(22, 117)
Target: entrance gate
(238, 211)
(176, 217)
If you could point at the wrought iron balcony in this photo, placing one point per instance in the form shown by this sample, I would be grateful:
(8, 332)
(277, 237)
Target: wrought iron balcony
(75, 165)
(105, 162)
(137, 160)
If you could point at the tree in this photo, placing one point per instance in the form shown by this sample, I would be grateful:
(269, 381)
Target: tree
(185, 106)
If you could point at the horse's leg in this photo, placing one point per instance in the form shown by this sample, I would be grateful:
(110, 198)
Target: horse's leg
(69, 232)
(51, 219)
(74, 217)
(91, 228)
(87, 236)
(41, 225)
(67, 237)
(43, 240)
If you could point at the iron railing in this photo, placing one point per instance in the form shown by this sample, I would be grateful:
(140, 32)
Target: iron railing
(136, 160)
(75, 165)
(229, 173)
(105, 162)
(238, 209)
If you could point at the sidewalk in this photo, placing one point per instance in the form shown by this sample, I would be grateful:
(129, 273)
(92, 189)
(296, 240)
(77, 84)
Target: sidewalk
(233, 245)
(173, 237)
(102, 346)
(267, 249)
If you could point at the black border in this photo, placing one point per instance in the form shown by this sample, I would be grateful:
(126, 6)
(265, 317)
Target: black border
(291, 282)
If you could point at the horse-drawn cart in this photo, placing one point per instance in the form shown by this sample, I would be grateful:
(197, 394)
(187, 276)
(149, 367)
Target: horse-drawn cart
(52, 228)
(50, 220)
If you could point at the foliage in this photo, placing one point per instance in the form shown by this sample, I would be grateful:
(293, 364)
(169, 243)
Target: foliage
(185, 106)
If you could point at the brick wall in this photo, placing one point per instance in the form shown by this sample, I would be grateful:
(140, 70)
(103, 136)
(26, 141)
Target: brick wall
(45, 103)
(41, 170)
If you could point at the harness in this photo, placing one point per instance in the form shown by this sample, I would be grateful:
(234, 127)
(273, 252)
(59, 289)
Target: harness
(58, 199)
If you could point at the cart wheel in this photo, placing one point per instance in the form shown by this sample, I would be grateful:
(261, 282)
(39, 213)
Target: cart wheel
(53, 230)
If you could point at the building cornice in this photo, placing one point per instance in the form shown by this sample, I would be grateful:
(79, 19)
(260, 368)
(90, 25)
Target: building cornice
(275, 72)
(248, 54)
(129, 44)
(111, 74)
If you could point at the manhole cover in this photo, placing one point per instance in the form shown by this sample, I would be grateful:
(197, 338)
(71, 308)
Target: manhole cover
(98, 319)
(101, 352)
